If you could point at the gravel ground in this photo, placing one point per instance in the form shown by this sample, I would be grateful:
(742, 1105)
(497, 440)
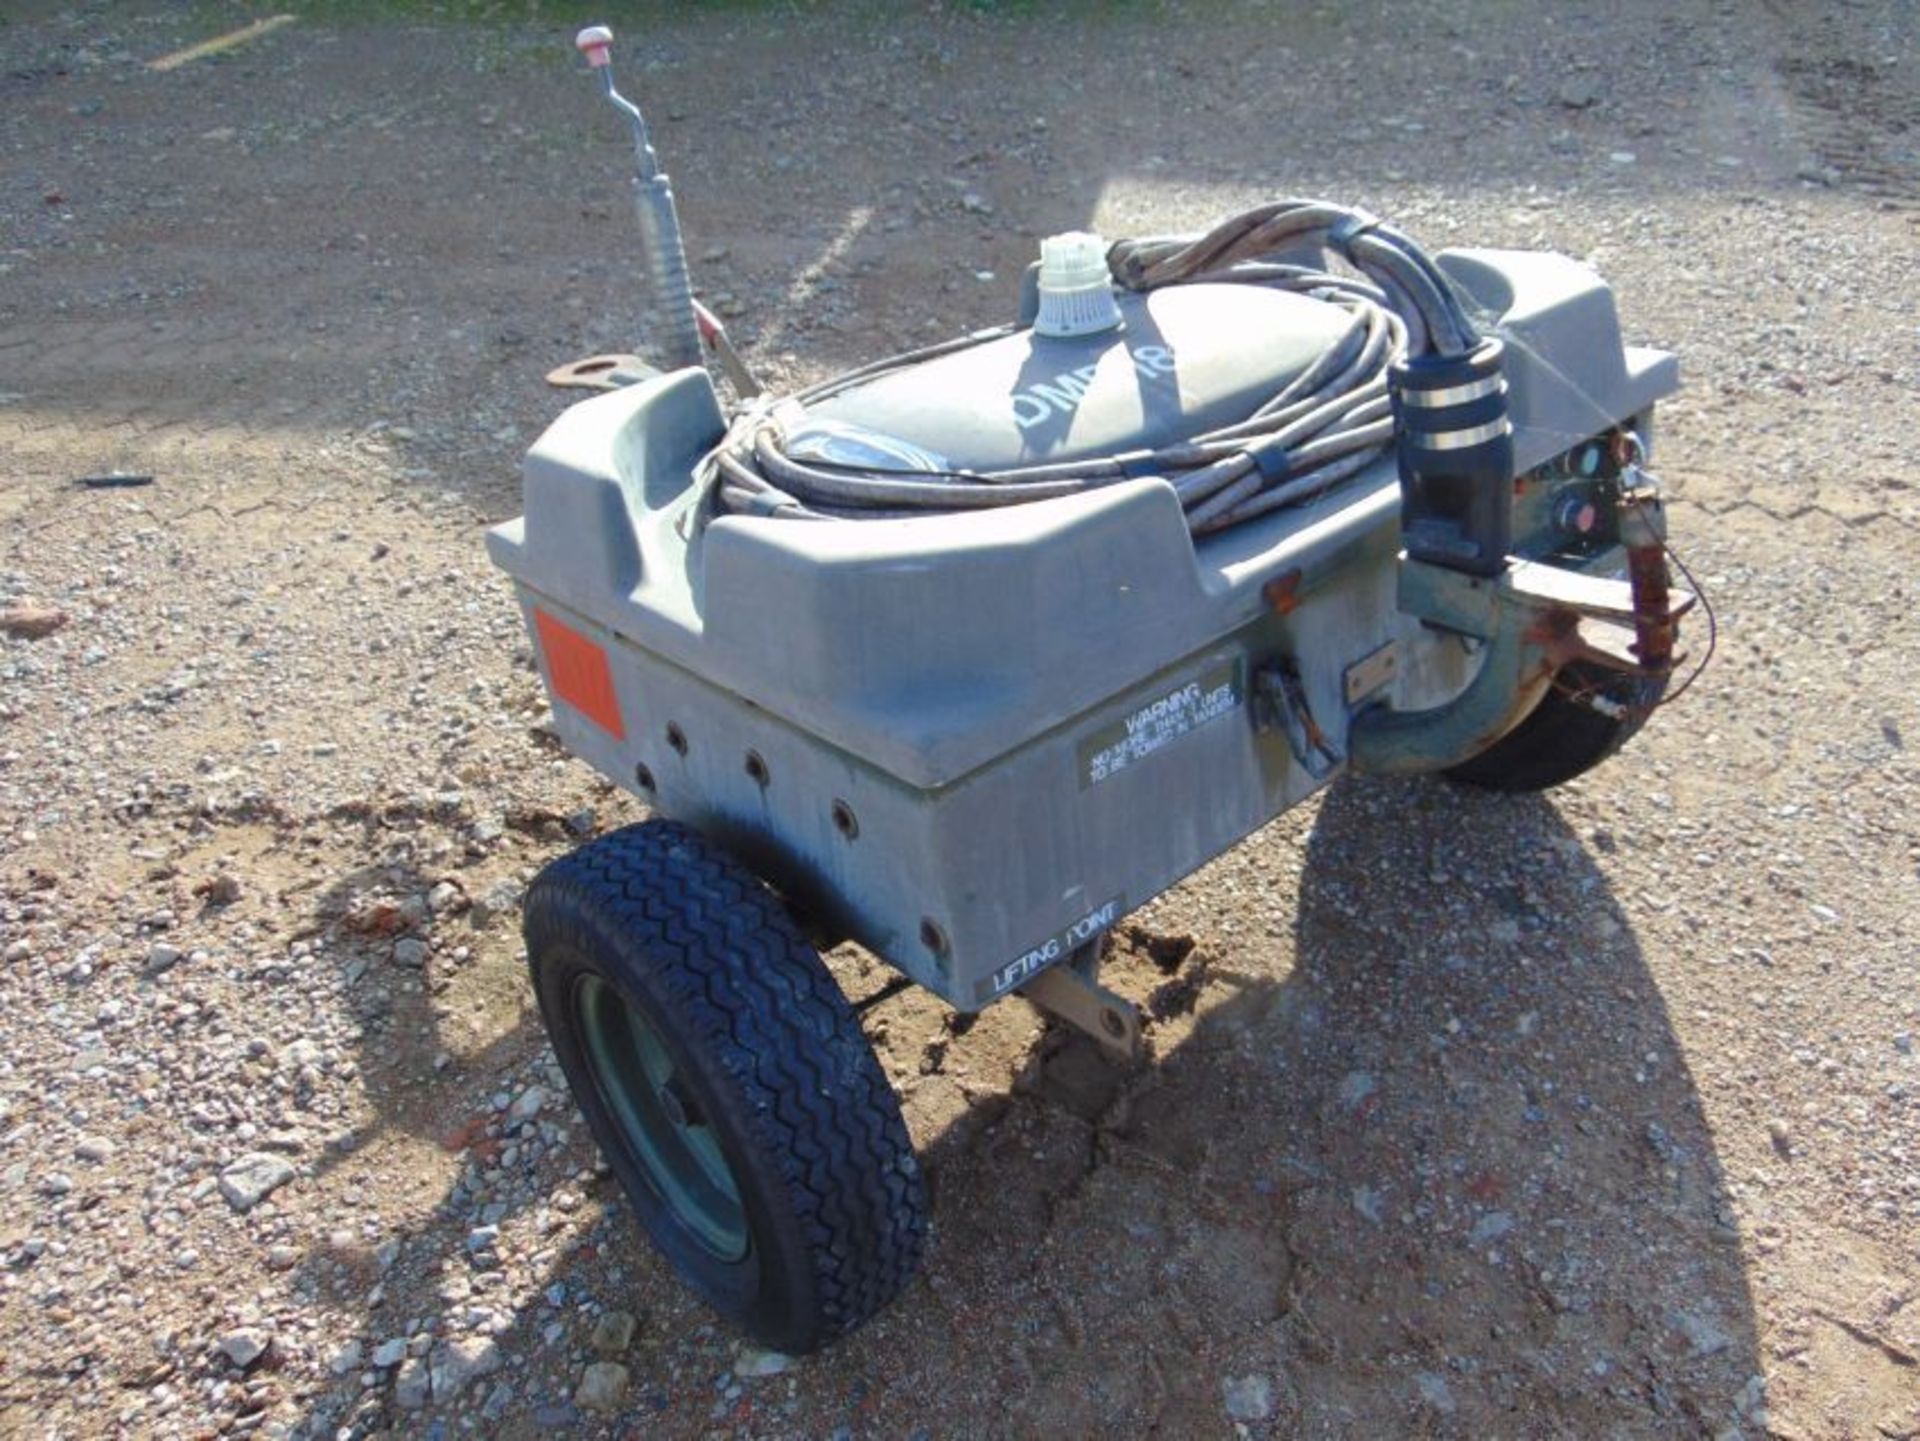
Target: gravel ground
(1592, 1115)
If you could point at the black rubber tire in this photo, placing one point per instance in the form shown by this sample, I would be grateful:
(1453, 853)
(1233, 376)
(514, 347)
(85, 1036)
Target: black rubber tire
(1562, 737)
(769, 1050)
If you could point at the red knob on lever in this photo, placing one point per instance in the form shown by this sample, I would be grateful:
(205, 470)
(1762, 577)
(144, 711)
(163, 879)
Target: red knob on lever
(595, 42)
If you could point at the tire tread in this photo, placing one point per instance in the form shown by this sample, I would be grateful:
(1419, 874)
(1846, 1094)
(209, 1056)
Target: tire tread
(1561, 738)
(763, 1004)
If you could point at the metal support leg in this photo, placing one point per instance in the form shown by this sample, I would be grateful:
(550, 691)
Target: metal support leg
(1071, 992)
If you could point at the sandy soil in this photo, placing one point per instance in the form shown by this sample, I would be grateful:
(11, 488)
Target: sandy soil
(1588, 1115)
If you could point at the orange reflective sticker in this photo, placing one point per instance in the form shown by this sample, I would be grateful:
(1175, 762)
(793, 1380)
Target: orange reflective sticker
(577, 669)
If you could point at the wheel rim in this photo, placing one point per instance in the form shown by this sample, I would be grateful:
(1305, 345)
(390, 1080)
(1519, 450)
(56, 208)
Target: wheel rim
(660, 1124)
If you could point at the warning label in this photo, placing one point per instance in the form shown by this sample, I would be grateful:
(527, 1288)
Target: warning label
(1126, 742)
(1025, 967)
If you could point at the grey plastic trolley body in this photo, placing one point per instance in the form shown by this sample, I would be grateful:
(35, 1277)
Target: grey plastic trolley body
(973, 742)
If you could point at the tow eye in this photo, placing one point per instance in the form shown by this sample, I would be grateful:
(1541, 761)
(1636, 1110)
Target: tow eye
(1532, 619)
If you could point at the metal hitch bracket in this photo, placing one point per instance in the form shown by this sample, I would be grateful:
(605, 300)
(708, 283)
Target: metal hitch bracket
(1071, 992)
(1533, 619)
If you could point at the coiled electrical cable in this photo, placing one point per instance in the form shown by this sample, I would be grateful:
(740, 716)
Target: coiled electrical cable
(1326, 424)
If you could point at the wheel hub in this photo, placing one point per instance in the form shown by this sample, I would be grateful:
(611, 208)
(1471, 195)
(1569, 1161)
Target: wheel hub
(681, 1109)
(661, 1124)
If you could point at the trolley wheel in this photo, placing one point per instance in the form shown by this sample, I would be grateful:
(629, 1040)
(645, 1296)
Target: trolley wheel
(1563, 737)
(727, 1082)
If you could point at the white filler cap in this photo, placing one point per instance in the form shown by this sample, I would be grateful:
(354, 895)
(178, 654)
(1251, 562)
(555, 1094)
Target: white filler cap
(1076, 292)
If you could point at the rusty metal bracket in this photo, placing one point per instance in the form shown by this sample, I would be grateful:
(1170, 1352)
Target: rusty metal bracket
(1656, 619)
(601, 372)
(1548, 587)
(1071, 992)
(1625, 625)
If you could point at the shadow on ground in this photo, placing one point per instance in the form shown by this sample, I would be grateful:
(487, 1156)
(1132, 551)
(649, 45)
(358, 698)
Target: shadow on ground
(1445, 1173)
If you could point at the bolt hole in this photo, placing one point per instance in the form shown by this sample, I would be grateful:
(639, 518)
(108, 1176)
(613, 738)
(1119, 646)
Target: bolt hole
(643, 778)
(676, 738)
(1113, 1023)
(932, 937)
(756, 768)
(844, 820)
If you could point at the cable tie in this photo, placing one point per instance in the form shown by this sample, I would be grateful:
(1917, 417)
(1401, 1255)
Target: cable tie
(1272, 459)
